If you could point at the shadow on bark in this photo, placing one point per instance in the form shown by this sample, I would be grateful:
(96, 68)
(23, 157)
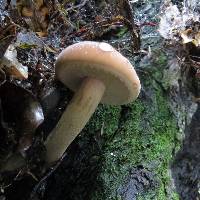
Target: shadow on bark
(186, 166)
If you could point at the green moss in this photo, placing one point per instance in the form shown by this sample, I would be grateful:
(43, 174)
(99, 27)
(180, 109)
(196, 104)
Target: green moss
(175, 196)
(145, 138)
(105, 118)
(160, 196)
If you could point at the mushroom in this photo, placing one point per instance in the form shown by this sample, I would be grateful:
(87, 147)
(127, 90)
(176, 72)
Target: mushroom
(97, 73)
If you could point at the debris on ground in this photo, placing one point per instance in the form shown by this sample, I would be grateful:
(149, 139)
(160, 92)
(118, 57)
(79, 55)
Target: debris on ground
(181, 26)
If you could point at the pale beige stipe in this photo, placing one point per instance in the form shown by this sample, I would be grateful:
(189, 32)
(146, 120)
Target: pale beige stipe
(97, 72)
(77, 114)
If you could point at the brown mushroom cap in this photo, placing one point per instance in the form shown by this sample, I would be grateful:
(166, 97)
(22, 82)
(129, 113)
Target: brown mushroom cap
(101, 61)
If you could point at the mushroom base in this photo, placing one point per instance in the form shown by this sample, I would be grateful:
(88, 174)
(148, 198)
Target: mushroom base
(74, 118)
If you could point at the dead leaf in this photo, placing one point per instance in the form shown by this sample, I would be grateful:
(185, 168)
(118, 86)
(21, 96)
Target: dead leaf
(187, 36)
(190, 35)
(12, 66)
(7, 35)
(35, 13)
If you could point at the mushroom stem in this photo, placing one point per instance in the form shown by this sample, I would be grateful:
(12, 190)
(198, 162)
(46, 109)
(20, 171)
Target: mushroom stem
(74, 118)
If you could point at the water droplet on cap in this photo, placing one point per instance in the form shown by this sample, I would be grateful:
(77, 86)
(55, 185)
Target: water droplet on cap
(105, 47)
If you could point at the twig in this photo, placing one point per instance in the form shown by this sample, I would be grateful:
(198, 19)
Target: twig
(59, 8)
(33, 193)
(128, 13)
(78, 6)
